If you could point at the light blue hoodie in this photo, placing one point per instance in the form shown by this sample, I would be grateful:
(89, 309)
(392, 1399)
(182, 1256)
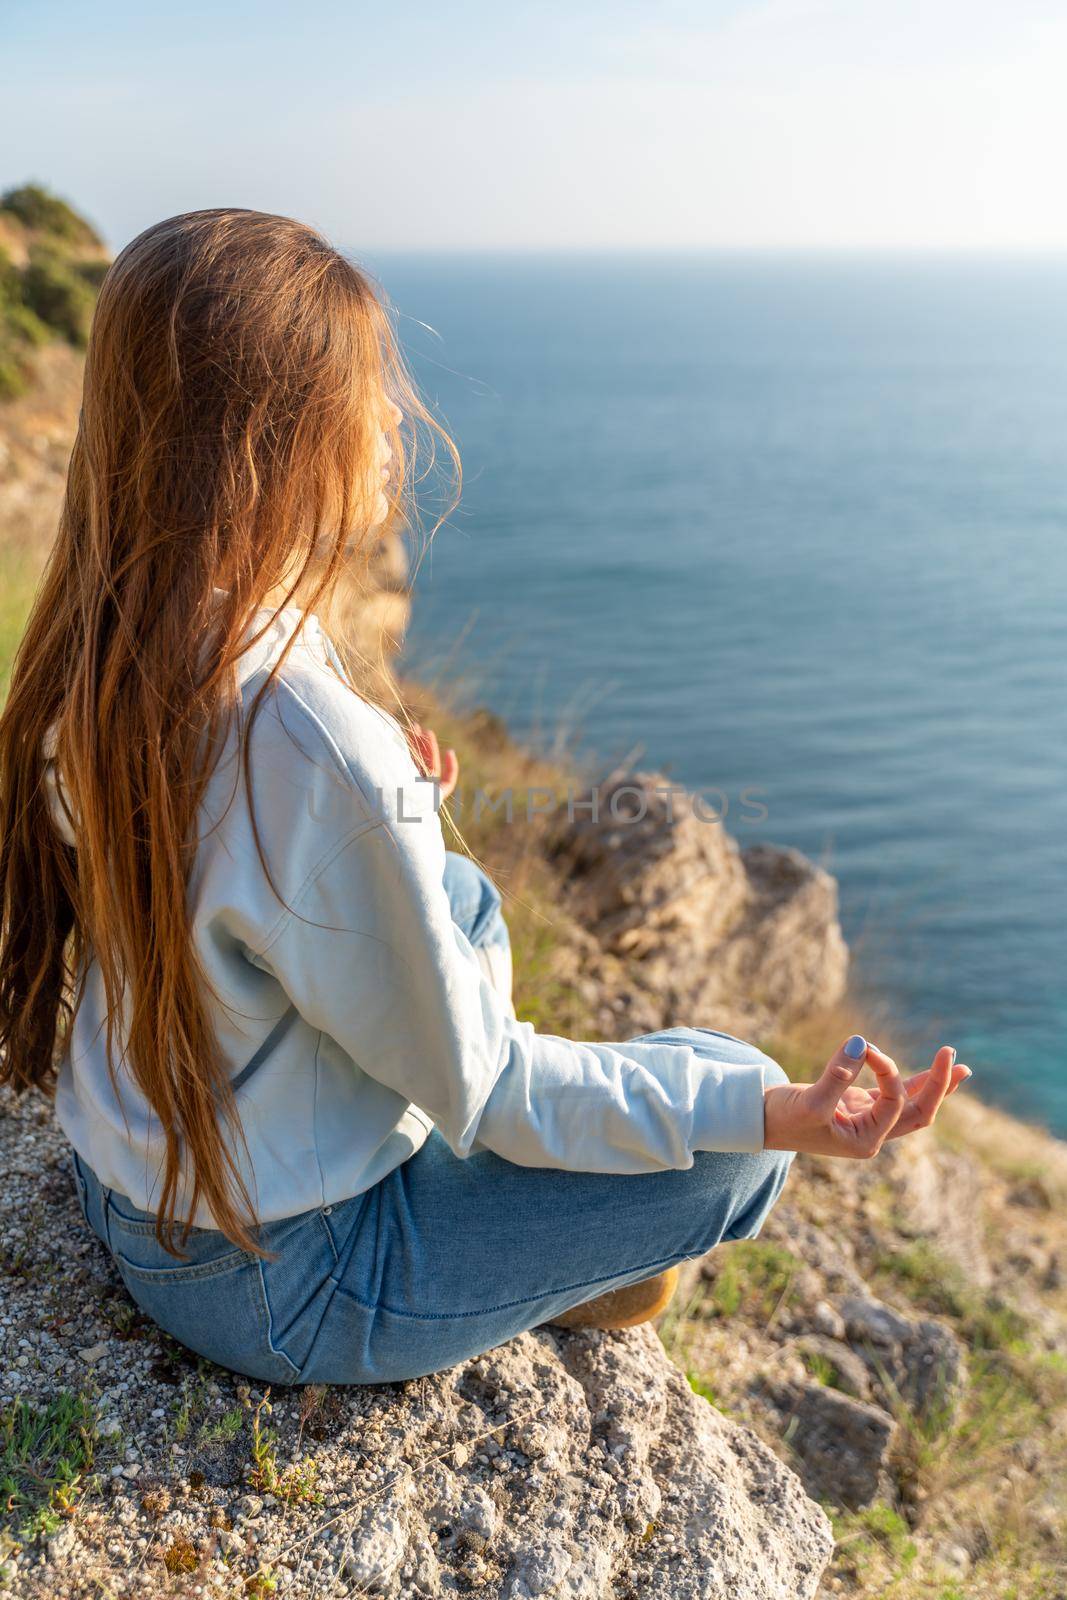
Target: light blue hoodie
(357, 1015)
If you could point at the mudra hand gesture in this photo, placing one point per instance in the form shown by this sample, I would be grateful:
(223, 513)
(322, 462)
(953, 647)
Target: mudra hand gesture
(835, 1116)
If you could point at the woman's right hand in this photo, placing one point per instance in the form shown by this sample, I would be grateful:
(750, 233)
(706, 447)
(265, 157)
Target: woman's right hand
(836, 1117)
(443, 768)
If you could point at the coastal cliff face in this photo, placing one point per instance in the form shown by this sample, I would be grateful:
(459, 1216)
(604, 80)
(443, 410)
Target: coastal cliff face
(750, 938)
(887, 1362)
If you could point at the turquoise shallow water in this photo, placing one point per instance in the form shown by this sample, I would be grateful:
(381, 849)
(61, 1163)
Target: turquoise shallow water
(792, 525)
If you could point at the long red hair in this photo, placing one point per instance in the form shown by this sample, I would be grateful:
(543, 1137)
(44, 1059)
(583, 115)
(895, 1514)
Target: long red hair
(240, 376)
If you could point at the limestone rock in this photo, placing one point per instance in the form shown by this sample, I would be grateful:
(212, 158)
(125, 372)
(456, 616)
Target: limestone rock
(939, 1197)
(790, 954)
(850, 1374)
(917, 1359)
(750, 937)
(842, 1445)
(652, 866)
(566, 1464)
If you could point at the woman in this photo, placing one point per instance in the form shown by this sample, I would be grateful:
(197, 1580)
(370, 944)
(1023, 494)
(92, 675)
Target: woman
(306, 1121)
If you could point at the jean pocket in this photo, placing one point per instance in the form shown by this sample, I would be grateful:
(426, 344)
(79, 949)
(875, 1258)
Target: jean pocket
(218, 1308)
(202, 1252)
(183, 1271)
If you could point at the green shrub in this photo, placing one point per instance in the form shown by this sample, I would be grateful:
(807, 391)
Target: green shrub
(10, 282)
(25, 326)
(93, 271)
(58, 294)
(35, 208)
(20, 331)
(15, 373)
(54, 293)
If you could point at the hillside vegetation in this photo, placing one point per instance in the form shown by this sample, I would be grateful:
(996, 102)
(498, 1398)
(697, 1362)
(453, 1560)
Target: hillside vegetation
(51, 265)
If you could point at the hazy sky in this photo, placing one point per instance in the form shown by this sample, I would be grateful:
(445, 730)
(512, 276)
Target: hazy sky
(496, 123)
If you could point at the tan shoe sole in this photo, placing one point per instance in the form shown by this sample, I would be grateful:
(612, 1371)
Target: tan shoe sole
(623, 1308)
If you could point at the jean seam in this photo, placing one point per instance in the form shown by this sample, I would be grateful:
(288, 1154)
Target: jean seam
(138, 1230)
(268, 1325)
(525, 1300)
(144, 1225)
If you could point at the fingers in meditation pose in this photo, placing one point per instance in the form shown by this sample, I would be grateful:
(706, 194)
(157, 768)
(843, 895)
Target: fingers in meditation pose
(836, 1116)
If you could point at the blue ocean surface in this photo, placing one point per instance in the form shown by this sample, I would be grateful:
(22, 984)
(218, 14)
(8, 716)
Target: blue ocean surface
(794, 526)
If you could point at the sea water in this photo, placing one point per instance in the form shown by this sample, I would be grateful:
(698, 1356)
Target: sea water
(791, 526)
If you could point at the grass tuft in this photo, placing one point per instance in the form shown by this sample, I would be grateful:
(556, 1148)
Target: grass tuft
(294, 1484)
(707, 1391)
(46, 1452)
(753, 1279)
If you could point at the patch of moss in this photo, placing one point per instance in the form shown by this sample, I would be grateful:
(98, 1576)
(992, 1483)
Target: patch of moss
(181, 1555)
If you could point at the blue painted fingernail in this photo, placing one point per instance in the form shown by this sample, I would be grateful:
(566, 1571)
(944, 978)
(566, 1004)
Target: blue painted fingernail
(856, 1047)
(952, 1062)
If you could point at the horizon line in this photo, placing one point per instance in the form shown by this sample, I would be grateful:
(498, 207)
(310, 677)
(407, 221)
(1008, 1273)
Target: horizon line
(838, 252)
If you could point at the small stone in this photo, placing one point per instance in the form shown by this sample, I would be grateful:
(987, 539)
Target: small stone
(93, 1353)
(827, 1321)
(957, 1557)
(377, 1550)
(62, 1543)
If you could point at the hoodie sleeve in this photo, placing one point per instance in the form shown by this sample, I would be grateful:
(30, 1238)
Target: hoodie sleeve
(368, 953)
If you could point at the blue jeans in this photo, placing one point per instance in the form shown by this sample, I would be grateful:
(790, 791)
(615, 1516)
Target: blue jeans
(444, 1258)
